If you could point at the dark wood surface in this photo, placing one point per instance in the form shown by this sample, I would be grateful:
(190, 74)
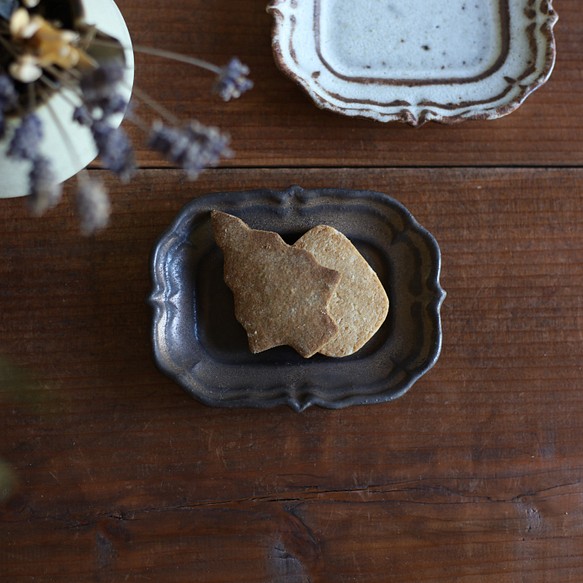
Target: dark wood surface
(475, 475)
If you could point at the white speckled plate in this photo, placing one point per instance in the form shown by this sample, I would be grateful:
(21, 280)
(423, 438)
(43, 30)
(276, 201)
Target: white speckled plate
(416, 60)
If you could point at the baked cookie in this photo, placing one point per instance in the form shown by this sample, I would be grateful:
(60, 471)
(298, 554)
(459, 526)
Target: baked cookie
(359, 304)
(281, 292)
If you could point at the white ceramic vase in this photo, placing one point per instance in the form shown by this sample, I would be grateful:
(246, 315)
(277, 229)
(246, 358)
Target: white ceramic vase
(14, 181)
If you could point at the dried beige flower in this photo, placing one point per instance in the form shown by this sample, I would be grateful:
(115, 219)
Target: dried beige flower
(49, 45)
(25, 69)
(22, 26)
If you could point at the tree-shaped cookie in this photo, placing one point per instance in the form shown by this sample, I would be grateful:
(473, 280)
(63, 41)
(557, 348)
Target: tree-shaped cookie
(281, 293)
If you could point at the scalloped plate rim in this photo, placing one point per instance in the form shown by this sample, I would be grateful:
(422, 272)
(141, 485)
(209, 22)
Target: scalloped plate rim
(285, 395)
(406, 114)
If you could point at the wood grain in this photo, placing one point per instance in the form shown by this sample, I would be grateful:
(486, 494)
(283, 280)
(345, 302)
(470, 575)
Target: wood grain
(474, 476)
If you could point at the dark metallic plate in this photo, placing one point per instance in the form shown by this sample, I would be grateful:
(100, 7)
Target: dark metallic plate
(198, 342)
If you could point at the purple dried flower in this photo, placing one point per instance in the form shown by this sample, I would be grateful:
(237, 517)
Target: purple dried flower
(115, 149)
(101, 79)
(115, 104)
(193, 148)
(82, 116)
(99, 88)
(26, 139)
(93, 206)
(45, 191)
(208, 143)
(8, 96)
(170, 142)
(8, 100)
(233, 80)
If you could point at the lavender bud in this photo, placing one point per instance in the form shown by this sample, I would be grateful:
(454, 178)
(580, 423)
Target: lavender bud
(233, 81)
(45, 191)
(99, 88)
(168, 141)
(82, 116)
(115, 103)
(102, 78)
(211, 142)
(26, 139)
(115, 149)
(192, 148)
(8, 95)
(93, 206)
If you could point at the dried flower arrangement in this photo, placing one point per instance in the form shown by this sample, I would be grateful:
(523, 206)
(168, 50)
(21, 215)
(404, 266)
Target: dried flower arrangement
(45, 48)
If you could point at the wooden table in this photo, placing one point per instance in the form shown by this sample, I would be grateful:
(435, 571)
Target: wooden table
(474, 476)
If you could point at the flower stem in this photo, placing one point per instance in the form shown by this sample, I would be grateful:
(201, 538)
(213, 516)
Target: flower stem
(31, 97)
(154, 105)
(163, 54)
(66, 89)
(65, 136)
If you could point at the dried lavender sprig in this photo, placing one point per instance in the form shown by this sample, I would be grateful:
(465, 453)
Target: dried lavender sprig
(193, 147)
(45, 191)
(82, 116)
(212, 143)
(26, 139)
(100, 101)
(92, 199)
(8, 99)
(171, 55)
(93, 205)
(8, 95)
(233, 81)
(114, 147)
(99, 89)
(101, 78)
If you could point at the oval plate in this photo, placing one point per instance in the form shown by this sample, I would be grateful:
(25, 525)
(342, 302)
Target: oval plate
(198, 342)
(418, 60)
